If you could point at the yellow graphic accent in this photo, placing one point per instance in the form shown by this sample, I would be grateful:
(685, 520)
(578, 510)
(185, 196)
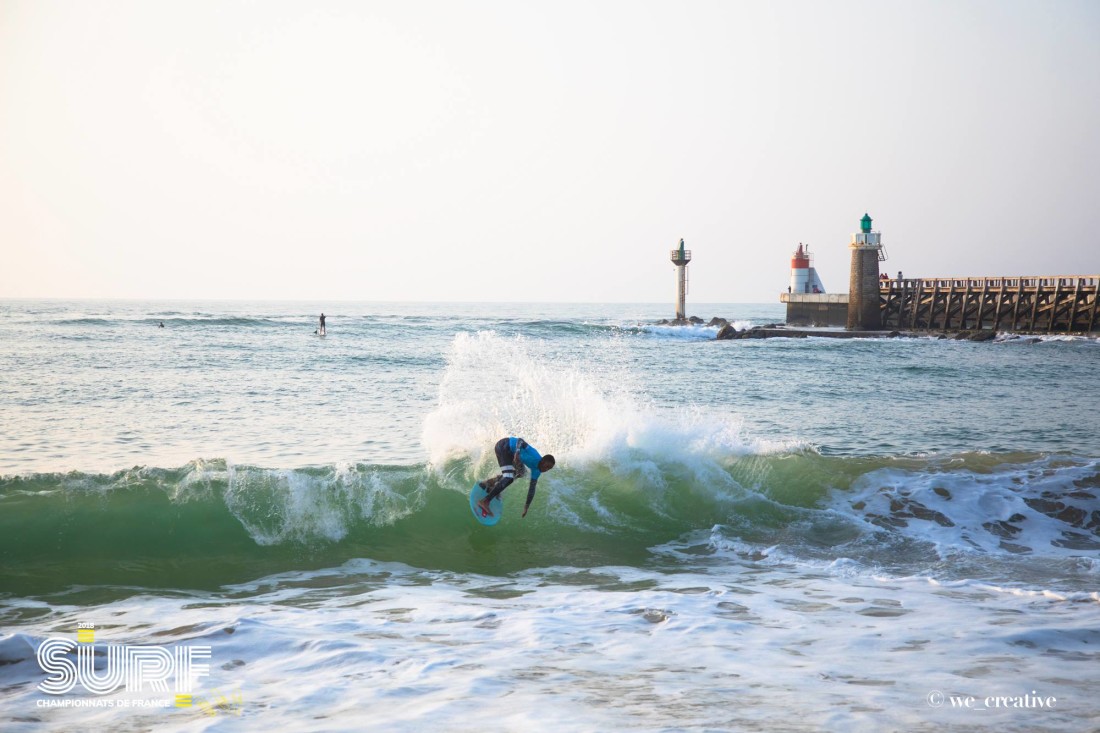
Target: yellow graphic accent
(183, 701)
(221, 703)
(85, 636)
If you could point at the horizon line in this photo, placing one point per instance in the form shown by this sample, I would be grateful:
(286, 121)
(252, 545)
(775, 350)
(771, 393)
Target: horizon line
(350, 300)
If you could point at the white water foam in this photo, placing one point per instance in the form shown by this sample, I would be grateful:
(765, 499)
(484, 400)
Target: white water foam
(277, 506)
(495, 386)
(1005, 337)
(1031, 509)
(684, 333)
(381, 646)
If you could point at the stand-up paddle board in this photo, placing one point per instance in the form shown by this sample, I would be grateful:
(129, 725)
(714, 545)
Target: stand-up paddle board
(497, 505)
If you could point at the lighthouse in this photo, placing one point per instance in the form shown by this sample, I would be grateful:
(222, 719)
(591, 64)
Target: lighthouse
(804, 277)
(681, 257)
(864, 309)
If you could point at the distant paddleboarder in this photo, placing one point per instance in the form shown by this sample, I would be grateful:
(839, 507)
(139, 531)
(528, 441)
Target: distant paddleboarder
(321, 329)
(515, 455)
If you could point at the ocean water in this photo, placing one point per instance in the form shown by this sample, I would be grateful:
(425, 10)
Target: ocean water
(782, 534)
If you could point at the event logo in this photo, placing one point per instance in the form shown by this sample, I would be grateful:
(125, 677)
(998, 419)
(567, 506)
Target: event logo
(135, 666)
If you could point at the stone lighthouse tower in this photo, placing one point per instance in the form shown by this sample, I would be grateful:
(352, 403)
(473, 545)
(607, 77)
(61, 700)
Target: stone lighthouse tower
(681, 257)
(864, 313)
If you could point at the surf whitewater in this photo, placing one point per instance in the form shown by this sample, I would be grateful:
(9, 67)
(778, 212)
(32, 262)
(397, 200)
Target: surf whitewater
(212, 522)
(796, 534)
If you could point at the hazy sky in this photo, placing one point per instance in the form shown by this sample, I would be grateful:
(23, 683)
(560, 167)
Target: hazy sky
(549, 151)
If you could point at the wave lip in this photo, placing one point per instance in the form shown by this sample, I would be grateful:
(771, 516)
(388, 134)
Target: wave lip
(212, 522)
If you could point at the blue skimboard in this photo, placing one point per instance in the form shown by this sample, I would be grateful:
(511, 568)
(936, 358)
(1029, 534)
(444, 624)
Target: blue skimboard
(497, 505)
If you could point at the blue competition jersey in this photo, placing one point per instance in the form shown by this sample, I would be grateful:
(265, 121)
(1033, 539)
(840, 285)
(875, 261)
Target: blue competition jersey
(529, 456)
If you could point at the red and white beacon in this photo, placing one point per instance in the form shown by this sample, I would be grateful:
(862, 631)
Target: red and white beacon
(804, 277)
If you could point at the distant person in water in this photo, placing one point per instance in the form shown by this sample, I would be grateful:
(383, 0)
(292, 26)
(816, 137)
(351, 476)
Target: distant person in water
(161, 325)
(321, 330)
(514, 456)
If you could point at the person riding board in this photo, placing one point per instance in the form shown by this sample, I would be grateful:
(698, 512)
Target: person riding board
(514, 454)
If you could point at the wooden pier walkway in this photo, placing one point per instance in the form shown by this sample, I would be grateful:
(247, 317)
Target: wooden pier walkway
(1060, 304)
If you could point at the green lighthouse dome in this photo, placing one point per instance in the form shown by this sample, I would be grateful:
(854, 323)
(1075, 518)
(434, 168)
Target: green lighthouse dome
(865, 223)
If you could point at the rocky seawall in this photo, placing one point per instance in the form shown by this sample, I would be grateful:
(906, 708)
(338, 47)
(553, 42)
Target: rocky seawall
(726, 331)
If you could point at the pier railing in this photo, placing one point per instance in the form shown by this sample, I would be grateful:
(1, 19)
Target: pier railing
(995, 282)
(1034, 304)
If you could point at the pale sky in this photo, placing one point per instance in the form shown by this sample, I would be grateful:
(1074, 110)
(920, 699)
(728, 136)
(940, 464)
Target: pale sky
(538, 151)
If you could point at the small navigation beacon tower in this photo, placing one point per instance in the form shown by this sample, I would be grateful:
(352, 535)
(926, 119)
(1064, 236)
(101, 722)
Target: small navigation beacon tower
(864, 311)
(804, 277)
(681, 257)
